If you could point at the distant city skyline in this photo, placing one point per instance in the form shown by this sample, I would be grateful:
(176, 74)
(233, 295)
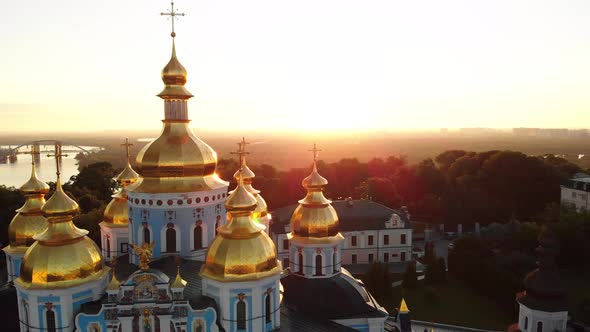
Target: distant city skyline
(318, 66)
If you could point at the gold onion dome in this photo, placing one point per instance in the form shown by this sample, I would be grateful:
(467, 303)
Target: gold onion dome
(29, 219)
(63, 256)
(241, 250)
(248, 176)
(117, 211)
(315, 217)
(176, 161)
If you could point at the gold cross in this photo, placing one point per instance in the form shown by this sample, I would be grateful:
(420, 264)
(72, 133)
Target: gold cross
(58, 155)
(242, 150)
(33, 152)
(172, 13)
(127, 145)
(315, 151)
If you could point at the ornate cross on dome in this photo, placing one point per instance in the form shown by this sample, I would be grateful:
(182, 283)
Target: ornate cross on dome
(58, 155)
(172, 13)
(127, 145)
(315, 151)
(242, 150)
(33, 152)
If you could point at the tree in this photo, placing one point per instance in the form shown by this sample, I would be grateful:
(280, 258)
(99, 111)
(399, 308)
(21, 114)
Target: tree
(378, 281)
(410, 279)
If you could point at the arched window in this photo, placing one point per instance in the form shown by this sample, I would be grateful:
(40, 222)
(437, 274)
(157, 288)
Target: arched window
(540, 327)
(267, 308)
(318, 265)
(146, 234)
(170, 238)
(26, 314)
(50, 319)
(198, 237)
(217, 221)
(108, 245)
(526, 323)
(300, 262)
(241, 315)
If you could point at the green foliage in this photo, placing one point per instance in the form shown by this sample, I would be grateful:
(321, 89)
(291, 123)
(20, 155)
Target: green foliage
(90, 222)
(10, 200)
(410, 279)
(378, 281)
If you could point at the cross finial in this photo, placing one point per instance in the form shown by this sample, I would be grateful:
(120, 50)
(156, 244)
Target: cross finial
(172, 13)
(58, 155)
(242, 150)
(315, 151)
(33, 152)
(127, 145)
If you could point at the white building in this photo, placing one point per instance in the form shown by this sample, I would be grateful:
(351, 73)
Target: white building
(574, 192)
(372, 232)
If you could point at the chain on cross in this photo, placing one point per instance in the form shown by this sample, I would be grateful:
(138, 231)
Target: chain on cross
(172, 13)
(242, 150)
(127, 146)
(315, 151)
(58, 155)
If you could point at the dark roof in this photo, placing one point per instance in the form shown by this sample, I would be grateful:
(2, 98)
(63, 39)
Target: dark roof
(354, 215)
(578, 184)
(9, 308)
(294, 321)
(328, 298)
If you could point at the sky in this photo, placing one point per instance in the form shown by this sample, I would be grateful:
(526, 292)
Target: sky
(306, 65)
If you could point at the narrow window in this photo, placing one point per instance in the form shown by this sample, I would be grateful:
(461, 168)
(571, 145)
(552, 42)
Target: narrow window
(300, 268)
(371, 257)
(241, 313)
(353, 241)
(370, 240)
(286, 244)
(318, 265)
(170, 238)
(198, 237)
(353, 258)
(403, 256)
(108, 248)
(386, 239)
(146, 235)
(285, 262)
(50, 319)
(385, 257)
(267, 308)
(526, 323)
(540, 327)
(403, 238)
(26, 312)
(334, 263)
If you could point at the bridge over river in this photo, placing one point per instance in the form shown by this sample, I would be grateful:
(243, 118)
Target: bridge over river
(9, 153)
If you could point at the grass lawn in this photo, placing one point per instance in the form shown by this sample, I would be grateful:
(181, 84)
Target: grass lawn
(453, 304)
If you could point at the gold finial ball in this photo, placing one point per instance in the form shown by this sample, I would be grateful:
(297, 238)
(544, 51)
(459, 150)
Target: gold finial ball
(173, 34)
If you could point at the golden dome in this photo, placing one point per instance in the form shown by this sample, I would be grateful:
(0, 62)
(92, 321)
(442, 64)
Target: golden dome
(60, 204)
(261, 210)
(34, 185)
(242, 250)
(127, 177)
(63, 256)
(174, 76)
(315, 217)
(29, 219)
(178, 281)
(177, 161)
(117, 211)
(114, 284)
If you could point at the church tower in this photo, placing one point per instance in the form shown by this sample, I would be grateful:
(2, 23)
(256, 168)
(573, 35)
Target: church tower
(260, 215)
(62, 270)
(242, 271)
(177, 201)
(28, 221)
(114, 229)
(315, 242)
(542, 306)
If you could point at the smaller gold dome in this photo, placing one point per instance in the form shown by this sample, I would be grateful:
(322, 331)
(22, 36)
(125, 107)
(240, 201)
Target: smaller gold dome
(315, 217)
(60, 204)
(34, 185)
(261, 210)
(114, 284)
(178, 282)
(174, 76)
(127, 177)
(117, 211)
(242, 250)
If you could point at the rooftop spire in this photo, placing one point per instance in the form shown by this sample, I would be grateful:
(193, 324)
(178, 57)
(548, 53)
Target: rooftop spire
(59, 204)
(172, 16)
(314, 181)
(244, 170)
(128, 175)
(34, 186)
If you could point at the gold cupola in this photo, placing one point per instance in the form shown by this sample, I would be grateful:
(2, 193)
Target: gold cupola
(29, 219)
(62, 256)
(177, 161)
(261, 211)
(241, 251)
(116, 214)
(315, 219)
